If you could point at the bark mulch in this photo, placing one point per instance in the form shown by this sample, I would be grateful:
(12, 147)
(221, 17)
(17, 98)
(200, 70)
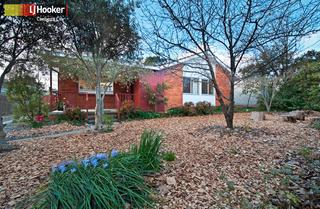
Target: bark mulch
(215, 166)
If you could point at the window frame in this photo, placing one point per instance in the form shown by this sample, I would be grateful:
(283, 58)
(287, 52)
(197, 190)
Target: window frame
(93, 91)
(192, 81)
(210, 91)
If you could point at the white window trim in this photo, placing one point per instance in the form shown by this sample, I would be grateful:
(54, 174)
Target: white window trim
(81, 91)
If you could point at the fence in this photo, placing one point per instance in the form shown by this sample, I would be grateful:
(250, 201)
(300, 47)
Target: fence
(5, 106)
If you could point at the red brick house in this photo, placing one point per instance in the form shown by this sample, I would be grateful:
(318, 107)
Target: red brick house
(184, 85)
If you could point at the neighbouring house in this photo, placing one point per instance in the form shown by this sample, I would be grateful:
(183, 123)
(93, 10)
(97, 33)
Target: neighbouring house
(186, 82)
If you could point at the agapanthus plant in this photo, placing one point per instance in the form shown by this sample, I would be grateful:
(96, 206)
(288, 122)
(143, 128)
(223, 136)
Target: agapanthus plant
(104, 180)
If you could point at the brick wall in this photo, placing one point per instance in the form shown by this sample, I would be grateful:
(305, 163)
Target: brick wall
(174, 93)
(223, 81)
(172, 77)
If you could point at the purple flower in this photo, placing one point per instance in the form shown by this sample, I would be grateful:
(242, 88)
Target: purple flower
(101, 156)
(62, 168)
(114, 153)
(73, 170)
(94, 162)
(85, 162)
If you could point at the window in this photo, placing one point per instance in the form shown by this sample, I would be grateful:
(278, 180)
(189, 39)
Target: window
(186, 85)
(84, 87)
(206, 87)
(190, 85)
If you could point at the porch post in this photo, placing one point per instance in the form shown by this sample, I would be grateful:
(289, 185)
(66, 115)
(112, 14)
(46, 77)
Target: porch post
(50, 88)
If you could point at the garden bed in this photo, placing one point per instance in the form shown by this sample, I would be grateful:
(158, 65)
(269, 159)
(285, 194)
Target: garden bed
(214, 167)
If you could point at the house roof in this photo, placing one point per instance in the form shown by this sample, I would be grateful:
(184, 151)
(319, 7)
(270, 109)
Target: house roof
(187, 58)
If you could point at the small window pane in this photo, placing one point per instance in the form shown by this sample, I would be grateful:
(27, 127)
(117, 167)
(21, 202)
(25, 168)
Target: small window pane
(186, 85)
(195, 86)
(204, 87)
(210, 88)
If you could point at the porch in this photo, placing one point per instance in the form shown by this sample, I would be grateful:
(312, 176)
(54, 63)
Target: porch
(62, 100)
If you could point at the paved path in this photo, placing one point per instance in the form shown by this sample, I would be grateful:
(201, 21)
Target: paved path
(7, 119)
(66, 133)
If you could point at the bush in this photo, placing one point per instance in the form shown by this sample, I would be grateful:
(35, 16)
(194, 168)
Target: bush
(169, 156)
(176, 111)
(74, 116)
(138, 114)
(300, 92)
(203, 108)
(108, 121)
(127, 109)
(103, 180)
(26, 93)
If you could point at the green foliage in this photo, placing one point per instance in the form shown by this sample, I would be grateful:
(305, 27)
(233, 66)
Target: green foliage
(138, 114)
(169, 156)
(127, 109)
(26, 93)
(95, 188)
(154, 60)
(202, 108)
(301, 91)
(316, 124)
(73, 116)
(108, 122)
(148, 151)
(305, 152)
(60, 105)
(156, 96)
(35, 124)
(103, 181)
(299, 185)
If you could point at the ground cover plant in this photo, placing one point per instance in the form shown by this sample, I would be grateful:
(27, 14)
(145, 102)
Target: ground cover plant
(299, 180)
(169, 156)
(104, 180)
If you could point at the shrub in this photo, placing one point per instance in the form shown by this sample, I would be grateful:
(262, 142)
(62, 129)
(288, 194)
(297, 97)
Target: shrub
(26, 93)
(203, 108)
(127, 109)
(169, 156)
(156, 96)
(60, 105)
(112, 180)
(189, 109)
(176, 111)
(316, 124)
(108, 121)
(74, 116)
(148, 151)
(138, 114)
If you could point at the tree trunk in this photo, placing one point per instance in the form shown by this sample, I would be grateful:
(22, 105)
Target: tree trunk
(229, 120)
(1, 81)
(98, 111)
